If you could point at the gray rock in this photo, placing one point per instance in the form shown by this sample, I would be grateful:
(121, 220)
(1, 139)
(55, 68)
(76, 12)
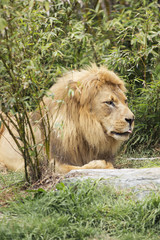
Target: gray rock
(139, 181)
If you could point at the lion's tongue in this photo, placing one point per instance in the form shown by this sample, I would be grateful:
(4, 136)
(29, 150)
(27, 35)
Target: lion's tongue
(129, 131)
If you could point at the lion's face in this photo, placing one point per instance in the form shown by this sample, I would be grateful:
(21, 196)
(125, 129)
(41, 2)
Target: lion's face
(111, 110)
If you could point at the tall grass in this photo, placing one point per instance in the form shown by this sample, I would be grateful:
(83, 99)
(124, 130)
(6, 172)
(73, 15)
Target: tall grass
(81, 211)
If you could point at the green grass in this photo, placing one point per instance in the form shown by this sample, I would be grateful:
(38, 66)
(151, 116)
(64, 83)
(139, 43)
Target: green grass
(82, 211)
(123, 159)
(9, 178)
(123, 162)
(10, 186)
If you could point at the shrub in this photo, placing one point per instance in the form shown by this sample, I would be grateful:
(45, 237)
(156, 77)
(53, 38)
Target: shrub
(135, 55)
(39, 39)
(147, 109)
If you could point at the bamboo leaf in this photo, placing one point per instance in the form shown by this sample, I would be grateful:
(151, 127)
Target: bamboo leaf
(3, 24)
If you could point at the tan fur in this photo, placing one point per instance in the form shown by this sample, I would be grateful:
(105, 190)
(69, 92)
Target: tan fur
(83, 122)
(1, 128)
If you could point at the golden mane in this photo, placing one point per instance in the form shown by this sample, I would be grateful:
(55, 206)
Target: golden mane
(81, 138)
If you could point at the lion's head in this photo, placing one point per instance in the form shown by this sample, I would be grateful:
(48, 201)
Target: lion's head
(111, 109)
(93, 115)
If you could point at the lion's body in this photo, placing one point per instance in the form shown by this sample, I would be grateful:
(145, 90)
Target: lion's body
(9, 153)
(89, 120)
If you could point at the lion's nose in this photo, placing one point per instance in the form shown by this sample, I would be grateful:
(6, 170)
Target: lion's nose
(129, 120)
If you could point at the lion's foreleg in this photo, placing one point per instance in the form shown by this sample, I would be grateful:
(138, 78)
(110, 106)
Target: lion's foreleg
(95, 164)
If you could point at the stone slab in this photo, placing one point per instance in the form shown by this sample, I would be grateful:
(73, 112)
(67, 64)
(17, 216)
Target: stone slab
(140, 181)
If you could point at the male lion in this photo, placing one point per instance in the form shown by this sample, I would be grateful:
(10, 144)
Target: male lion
(89, 120)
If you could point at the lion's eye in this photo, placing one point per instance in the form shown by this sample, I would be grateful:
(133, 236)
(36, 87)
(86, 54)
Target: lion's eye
(111, 103)
(126, 101)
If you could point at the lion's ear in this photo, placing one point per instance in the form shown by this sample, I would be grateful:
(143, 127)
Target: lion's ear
(74, 90)
(83, 91)
(122, 87)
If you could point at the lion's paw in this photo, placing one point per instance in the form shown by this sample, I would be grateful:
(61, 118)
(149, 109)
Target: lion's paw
(98, 164)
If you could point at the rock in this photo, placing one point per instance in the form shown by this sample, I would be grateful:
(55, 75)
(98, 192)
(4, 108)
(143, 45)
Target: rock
(139, 181)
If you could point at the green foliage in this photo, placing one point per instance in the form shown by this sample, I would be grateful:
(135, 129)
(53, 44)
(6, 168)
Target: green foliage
(147, 109)
(81, 211)
(135, 55)
(135, 51)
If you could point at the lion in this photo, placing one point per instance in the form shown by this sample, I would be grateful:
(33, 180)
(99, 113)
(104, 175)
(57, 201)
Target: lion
(89, 119)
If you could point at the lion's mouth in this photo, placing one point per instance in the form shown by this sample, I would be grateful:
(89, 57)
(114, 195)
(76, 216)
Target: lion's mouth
(122, 134)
